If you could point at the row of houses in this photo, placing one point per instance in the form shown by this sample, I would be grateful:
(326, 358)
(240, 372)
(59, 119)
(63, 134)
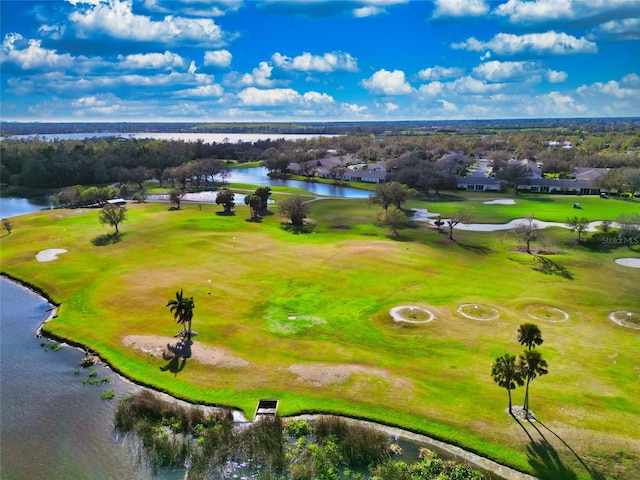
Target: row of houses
(533, 185)
(352, 170)
(581, 183)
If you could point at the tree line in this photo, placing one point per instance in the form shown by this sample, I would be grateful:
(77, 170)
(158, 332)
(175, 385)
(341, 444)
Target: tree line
(418, 160)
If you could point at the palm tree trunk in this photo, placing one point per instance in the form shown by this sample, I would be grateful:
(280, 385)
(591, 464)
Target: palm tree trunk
(526, 397)
(510, 411)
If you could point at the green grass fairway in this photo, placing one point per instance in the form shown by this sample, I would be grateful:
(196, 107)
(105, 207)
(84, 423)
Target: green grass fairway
(550, 208)
(305, 317)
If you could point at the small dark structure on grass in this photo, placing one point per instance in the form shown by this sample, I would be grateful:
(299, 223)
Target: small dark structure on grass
(266, 409)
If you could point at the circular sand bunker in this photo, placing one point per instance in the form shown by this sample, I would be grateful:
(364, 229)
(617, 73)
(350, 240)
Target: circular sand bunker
(50, 254)
(546, 313)
(411, 314)
(628, 262)
(625, 318)
(477, 311)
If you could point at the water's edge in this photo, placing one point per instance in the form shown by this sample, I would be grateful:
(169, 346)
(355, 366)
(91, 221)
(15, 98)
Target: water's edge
(495, 469)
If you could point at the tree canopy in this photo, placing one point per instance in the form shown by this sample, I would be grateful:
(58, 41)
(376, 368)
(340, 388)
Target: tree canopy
(294, 208)
(113, 215)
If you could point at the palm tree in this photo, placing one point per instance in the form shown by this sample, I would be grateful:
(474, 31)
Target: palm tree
(506, 374)
(182, 309)
(529, 335)
(531, 365)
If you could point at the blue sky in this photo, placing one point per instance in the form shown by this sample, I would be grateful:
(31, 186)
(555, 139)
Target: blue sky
(318, 60)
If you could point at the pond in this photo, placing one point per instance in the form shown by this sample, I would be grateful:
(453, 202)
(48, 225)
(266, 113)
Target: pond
(258, 176)
(12, 207)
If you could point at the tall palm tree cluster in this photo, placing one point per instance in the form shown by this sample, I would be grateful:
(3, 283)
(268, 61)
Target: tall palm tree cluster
(509, 372)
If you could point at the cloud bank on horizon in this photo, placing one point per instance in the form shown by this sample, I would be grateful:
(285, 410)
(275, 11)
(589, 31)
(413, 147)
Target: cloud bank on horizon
(318, 60)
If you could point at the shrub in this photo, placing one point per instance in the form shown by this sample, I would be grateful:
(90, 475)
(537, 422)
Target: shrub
(298, 428)
(360, 446)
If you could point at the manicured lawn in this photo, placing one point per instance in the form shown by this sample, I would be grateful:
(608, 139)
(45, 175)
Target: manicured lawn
(551, 208)
(318, 303)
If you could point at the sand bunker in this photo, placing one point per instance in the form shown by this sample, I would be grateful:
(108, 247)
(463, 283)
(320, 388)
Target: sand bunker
(157, 347)
(411, 314)
(628, 262)
(626, 319)
(423, 215)
(50, 254)
(476, 311)
(501, 201)
(546, 313)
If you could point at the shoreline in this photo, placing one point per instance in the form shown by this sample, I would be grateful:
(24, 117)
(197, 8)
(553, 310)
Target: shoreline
(496, 470)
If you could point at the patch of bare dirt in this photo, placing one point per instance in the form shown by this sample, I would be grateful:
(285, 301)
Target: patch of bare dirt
(323, 375)
(158, 346)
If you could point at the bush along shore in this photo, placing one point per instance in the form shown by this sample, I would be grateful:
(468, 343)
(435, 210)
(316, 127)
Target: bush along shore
(211, 445)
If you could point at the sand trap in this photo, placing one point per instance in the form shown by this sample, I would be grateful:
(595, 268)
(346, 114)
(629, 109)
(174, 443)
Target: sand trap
(157, 347)
(423, 215)
(411, 314)
(626, 319)
(476, 311)
(628, 262)
(501, 201)
(50, 254)
(546, 313)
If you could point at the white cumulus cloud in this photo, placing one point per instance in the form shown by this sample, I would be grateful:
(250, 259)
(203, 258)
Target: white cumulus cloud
(460, 8)
(554, 76)
(156, 61)
(274, 97)
(529, 12)
(551, 43)
(532, 11)
(259, 76)
(202, 91)
(115, 18)
(626, 29)
(431, 89)
(384, 82)
(29, 54)
(218, 58)
(329, 62)
(439, 73)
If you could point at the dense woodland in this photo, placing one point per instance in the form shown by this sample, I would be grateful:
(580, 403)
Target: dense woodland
(416, 153)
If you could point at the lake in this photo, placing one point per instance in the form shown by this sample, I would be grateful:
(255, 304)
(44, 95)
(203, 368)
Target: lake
(52, 425)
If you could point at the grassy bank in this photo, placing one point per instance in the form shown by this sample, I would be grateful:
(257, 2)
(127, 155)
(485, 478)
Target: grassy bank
(310, 315)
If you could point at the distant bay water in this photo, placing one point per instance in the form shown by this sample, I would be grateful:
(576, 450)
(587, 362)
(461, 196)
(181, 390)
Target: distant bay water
(184, 136)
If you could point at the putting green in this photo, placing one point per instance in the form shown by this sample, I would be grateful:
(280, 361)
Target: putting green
(480, 312)
(546, 313)
(411, 314)
(626, 319)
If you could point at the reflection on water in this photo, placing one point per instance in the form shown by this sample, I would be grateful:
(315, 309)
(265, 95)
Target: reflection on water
(258, 176)
(12, 207)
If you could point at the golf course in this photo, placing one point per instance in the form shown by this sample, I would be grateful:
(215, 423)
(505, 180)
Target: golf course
(305, 316)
